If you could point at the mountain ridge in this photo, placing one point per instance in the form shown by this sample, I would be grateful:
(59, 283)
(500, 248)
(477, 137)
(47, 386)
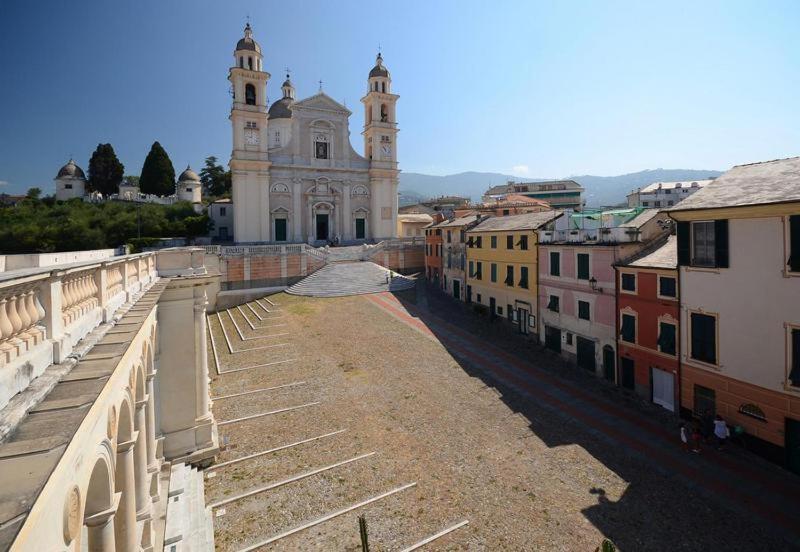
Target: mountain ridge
(600, 190)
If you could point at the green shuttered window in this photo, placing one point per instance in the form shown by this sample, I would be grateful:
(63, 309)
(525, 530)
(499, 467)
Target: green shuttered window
(628, 331)
(666, 338)
(583, 266)
(794, 243)
(704, 337)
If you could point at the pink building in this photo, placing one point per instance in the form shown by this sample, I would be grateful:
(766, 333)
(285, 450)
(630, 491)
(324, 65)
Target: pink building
(577, 287)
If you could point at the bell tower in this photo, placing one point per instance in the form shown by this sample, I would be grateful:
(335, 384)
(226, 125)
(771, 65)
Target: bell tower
(380, 147)
(249, 159)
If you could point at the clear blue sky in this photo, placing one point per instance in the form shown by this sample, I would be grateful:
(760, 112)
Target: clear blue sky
(543, 89)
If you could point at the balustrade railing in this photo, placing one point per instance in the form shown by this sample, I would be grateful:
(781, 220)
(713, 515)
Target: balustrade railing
(21, 312)
(79, 296)
(45, 311)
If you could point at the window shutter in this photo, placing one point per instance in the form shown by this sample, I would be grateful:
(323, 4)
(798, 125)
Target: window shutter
(684, 239)
(794, 243)
(721, 242)
(794, 375)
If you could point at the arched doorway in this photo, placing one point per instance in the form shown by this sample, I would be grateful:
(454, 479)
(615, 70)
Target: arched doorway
(609, 362)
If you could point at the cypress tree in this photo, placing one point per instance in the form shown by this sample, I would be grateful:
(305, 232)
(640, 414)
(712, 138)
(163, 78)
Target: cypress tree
(105, 170)
(158, 174)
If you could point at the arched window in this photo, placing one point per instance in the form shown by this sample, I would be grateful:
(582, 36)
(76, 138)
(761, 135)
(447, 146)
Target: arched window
(376, 87)
(383, 87)
(384, 114)
(250, 62)
(249, 94)
(241, 62)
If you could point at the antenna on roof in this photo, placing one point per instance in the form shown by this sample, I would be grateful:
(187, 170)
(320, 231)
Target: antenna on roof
(320, 85)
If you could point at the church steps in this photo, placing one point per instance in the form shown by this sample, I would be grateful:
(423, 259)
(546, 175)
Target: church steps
(353, 278)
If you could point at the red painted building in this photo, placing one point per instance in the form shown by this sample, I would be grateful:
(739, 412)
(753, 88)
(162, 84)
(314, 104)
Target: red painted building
(648, 309)
(433, 252)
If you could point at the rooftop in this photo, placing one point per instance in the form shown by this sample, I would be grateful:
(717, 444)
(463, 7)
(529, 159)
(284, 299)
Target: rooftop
(415, 217)
(762, 183)
(460, 221)
(663, 255)
(674, 185)
(527, 187)
(527, 221)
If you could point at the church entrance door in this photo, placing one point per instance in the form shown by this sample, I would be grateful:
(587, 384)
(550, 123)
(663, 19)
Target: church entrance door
(322, 227)
(361, 226)
(280, 230)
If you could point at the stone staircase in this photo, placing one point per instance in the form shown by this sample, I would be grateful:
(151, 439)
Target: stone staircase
(189, 525)
(350, 253)
(350, 278)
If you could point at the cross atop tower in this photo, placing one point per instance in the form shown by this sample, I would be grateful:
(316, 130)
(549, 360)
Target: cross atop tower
(320, 85)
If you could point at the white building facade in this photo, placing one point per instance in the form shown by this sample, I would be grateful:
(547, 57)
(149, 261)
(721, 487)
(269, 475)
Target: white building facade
(296, 177)
(664, 194)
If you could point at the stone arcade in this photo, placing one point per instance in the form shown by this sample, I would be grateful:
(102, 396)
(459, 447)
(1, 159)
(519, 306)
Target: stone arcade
(296, 178)
(105, 385)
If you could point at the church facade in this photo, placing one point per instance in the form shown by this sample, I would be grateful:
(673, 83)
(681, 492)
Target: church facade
(296, 177)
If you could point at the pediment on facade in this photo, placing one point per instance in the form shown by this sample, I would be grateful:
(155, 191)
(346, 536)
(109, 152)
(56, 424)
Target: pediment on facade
(323, 102)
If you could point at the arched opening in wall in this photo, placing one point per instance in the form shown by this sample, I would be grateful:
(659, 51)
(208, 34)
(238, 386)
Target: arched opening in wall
(96, 529)
(241, 62)
(141, 390)
(384, 114)
(250, 62)
(369, 152)
(249, 94)
(123, 476)
(376, 86)
(383, 87)
(609, 362)
(369, 114)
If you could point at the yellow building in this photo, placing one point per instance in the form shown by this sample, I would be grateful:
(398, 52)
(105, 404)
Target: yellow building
(502, 263)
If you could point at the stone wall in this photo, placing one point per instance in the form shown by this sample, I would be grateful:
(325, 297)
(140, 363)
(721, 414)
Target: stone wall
(253, 271)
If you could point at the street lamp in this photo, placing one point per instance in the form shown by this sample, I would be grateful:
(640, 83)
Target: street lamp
(593, 283)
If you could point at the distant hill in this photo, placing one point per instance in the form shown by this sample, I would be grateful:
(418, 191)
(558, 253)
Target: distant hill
(600, 190)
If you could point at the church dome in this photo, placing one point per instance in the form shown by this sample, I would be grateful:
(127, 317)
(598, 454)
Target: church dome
(281, 109)
(188, 175)
(71, 170)
(379, 70)
(248, 43)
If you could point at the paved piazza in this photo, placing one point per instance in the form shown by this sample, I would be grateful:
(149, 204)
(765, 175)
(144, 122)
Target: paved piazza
(373, 395)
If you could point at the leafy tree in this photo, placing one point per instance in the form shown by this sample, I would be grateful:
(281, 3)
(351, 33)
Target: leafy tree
(216, 180)
(130, 180)
(45, 226)
(105, 170)
(158, 174)
(34, 193)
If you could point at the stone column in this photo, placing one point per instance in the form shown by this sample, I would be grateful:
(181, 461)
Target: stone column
(347, 214)
(123, 268)
(201, 360)
(266, 215)
(373, 231)
(297, 209)
(143, 500)
(51, 292)
(100, 529)
(152, 462)
(125, 481)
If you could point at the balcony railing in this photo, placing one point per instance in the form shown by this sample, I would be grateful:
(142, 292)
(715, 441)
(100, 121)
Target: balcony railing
(618, 234)
(45, 311)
